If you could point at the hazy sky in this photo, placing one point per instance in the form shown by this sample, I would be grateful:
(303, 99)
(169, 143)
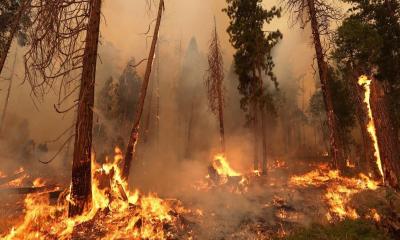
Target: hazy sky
(123, 24)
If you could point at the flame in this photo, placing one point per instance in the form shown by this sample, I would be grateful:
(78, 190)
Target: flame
(349, 164)
(222, 166)
(339, 190)
(122, 214)
(366, 84)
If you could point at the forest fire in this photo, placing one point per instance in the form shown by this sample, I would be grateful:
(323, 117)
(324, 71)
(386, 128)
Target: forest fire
(222, 166)
(366, 84)
(115, 211)
(339, 190)
(244, 133)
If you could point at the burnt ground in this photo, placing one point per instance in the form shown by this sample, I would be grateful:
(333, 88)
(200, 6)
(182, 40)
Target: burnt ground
(268, 207)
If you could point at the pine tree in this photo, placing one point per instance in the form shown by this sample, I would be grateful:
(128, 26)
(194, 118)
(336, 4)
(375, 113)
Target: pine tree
(253, 57)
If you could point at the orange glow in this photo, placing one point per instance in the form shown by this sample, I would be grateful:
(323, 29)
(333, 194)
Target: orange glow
(222, 166)
(366, 84)
(129, 215)
(339, 190)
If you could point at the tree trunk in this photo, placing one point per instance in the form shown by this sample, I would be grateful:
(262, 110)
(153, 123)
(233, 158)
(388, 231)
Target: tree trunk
(221, 119)
(263, 136)
(81, 165)
(130, 151)
(387, 137)
(14, 29)
(361, 113)
(255, 133)
(3, 115)
(189, 131)
(148, 117)
(336, 149)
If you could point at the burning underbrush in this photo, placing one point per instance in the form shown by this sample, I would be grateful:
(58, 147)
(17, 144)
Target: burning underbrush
(226, 204)
(115, 212)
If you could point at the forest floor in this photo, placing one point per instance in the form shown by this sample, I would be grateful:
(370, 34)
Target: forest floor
(305, 201)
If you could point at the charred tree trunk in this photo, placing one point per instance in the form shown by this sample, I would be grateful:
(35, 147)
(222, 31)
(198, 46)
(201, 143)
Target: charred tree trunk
(336, 149)
(81, 165)
(387, 137)
(263, 132)
(130, 151)
(255, 133)
(14, 29)
(361, 114)
(3, 115)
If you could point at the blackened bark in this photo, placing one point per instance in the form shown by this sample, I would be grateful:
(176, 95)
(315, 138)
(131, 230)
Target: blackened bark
(336, 148)
(81, 165)
(362, 115)
(387, 137)
(255, 135)
(130, 151)
(263, 132)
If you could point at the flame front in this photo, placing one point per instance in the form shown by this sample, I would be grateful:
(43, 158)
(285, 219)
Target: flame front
(115, 212)
(339, 190)
(366, 84)
(222, 166)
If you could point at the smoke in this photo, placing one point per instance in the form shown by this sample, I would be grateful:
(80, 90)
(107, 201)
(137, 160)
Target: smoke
(169, 163)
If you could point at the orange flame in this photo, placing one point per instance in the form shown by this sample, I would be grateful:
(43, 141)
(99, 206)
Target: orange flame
(339, 190)
(222, 166)
(129, 216)
(366, 84)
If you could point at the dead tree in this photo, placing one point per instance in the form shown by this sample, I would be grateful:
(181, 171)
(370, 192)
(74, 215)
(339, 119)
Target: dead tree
(14, 28)
(214, 83)
(3, 115)
(65, 57)
(131, 148)
(319, 13)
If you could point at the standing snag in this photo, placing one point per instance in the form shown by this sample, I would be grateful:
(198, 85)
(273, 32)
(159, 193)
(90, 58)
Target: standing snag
(214, 83)
(134, 136)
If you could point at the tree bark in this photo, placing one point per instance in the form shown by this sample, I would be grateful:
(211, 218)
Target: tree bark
(361, 113)
(387, 137)
(263, 136)
(130, 151)
(255, 136)
(3, 115)
(81, 165)
(14, 29)
(336, 149)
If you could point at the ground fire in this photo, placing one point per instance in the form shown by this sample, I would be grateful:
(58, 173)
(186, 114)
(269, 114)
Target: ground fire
(200, 120)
